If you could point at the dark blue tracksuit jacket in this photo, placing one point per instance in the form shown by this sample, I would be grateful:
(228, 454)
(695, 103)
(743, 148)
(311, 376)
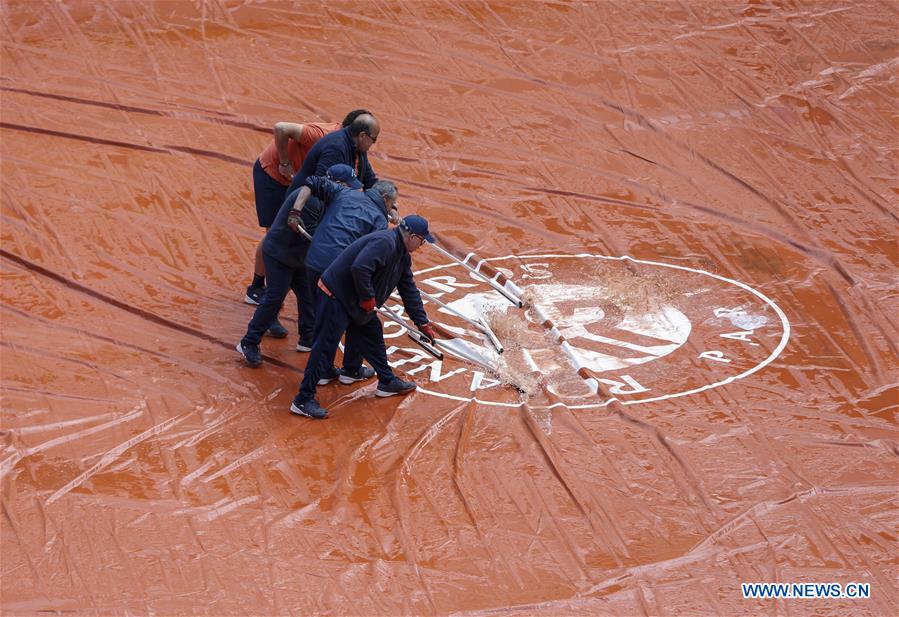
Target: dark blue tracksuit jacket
(372, 267)
(290, 248)
(349, 215)
(334, 148)
(281, 242)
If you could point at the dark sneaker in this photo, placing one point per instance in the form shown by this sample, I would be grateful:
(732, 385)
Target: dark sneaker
(276, 330)
(361, 374)
(331, 374)
(397, 386)
(310, 409)
(254, 294)
(304, 346)
(250, 353)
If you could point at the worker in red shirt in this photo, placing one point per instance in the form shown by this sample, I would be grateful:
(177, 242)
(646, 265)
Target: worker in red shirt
(272, 173)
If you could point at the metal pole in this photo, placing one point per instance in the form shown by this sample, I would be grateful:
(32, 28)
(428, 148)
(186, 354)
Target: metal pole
(502, 290)
(412, 332)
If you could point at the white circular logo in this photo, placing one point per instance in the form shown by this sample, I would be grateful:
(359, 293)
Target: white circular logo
(647, 331)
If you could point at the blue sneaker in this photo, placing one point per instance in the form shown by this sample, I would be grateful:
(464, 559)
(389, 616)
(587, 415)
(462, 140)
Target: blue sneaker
(304, 346)
(276, 330)
(361, 374)
(397, 386)
(254, 294)
(310, 409)
(250, 353)
(329, 376)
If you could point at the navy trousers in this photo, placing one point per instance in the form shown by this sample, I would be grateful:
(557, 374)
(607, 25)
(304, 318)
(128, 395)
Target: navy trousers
(279, 279)
(331, 322)
(352, 357)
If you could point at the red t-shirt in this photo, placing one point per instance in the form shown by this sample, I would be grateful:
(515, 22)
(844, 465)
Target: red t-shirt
(296, 150)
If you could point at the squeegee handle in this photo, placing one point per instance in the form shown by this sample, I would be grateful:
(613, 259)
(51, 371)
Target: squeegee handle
(303, 232)
(502, 290)
(413, 333)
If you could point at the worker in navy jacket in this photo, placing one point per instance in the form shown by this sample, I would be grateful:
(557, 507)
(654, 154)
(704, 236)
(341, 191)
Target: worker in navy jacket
(348, 215)
(361, 278)
(284, 258)
(349, 146)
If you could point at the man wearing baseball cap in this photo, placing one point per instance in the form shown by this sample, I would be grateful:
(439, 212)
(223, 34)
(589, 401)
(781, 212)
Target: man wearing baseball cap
(361, 278)
(348, 214)
(284, 253)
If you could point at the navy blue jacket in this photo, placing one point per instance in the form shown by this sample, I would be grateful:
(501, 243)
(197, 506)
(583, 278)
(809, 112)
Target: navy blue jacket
(334, 148)
(372, 267)
(281, 242)
(349, 215)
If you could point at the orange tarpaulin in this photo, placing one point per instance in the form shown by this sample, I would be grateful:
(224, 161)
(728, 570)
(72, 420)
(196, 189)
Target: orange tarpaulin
(700, 196)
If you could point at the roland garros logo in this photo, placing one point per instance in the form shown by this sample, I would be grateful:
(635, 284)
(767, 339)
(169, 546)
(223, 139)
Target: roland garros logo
(647, 331)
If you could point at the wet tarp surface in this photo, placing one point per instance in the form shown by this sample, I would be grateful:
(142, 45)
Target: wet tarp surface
(741, 426)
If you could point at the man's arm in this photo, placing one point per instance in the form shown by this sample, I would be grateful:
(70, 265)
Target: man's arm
(323, 188)
(293, 217)
(408, 291)
(326, 191)
(284, 132)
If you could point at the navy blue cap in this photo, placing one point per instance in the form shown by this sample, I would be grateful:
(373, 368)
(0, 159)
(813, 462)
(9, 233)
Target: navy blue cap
(418, 226)
(344, 173)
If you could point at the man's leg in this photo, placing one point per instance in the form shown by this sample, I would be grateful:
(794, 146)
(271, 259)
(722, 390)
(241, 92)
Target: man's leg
(353, 370)
(269, 195)
(329, 327)
(305, 326)
(352, 352)
(355, 357)
(307, 300)
(259, 265)
(368, 341)
(279, 281)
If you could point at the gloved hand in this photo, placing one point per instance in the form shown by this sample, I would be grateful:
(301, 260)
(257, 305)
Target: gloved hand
(429, 331)
(367, 305)
(294, 221)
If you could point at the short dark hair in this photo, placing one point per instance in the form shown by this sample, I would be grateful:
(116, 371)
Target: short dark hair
(351, 117)
(362, 124)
